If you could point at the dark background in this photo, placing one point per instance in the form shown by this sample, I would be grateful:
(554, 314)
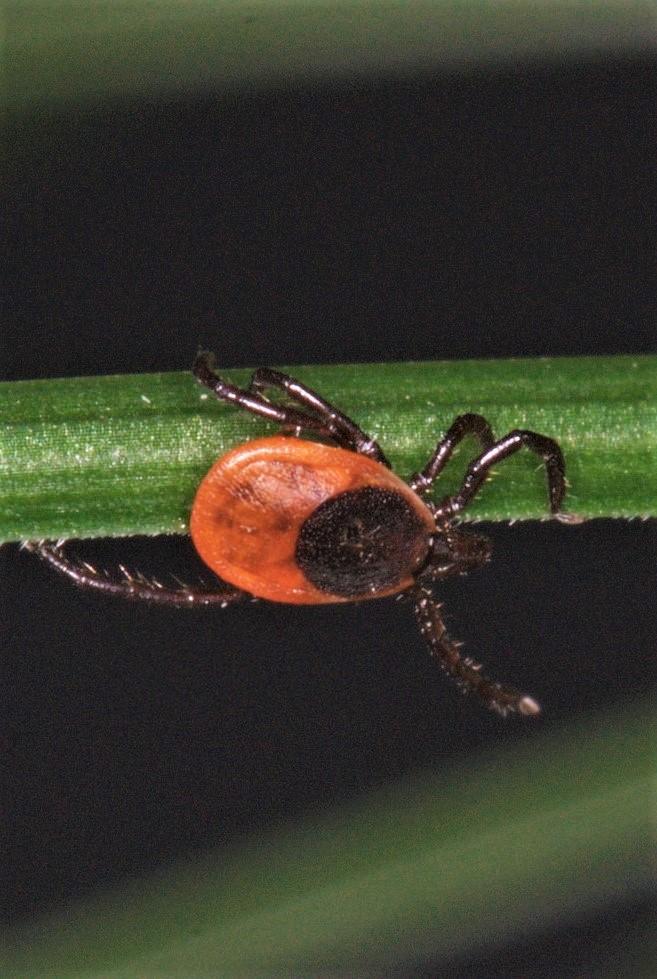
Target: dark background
(483, 215)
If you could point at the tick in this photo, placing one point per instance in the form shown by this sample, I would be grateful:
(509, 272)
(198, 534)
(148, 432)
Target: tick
(316, 522)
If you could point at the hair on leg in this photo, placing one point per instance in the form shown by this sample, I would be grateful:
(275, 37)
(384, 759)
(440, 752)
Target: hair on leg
(132, 586)
(463, 670)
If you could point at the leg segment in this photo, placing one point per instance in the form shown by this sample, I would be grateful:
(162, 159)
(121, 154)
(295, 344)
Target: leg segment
(203, 371)
(462, 669)
(341, 428)
(132, 586)
(477, 471)
(461, 427)
(323, 419)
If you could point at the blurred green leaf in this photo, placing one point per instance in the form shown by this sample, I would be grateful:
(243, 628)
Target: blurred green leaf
(446, 864)
(73, 51)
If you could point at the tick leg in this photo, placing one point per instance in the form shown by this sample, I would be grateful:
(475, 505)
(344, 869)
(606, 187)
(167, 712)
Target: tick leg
(204, 372)
(338, 425)
(462, 669)
(461, 427)
(131, 586)
(477, 471)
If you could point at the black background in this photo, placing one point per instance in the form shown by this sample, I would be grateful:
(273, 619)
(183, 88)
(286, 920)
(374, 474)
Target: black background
(482, 215)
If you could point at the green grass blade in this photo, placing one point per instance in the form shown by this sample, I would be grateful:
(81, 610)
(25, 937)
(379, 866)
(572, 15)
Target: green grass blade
(111, 456)
(446, 864)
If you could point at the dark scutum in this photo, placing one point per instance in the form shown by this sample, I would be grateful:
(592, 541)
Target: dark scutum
(361, 541)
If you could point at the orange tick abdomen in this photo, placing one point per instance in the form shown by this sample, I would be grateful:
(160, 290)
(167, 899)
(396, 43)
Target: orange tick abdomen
(251, 507)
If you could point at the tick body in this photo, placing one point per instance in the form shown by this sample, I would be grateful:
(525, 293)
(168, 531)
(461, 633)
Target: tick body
(303, 521)
(307, 523)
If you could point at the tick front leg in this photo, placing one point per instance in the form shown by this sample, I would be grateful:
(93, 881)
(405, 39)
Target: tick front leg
(131, 585)
(466, 673)
(461, 427)
(475, 476)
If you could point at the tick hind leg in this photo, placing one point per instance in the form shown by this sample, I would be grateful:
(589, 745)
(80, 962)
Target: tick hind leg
(339, 426)
(130, 585)
(463, 670)
(251, 400)
(322, 419)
